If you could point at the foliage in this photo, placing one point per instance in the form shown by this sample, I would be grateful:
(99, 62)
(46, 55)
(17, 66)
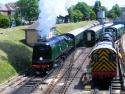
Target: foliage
(76, 15)
(92, 14)
(18, 21)
(112, 15)
(28, 9)
(4, 21)
(80, 12)
(117, 10)
(114, 12)
(83, 7)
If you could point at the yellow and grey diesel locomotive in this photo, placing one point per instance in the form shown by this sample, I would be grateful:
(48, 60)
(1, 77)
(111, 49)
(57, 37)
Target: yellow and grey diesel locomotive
(104, 56)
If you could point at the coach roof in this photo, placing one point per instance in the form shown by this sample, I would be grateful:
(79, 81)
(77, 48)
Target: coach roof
(78, 31)
(118, 26)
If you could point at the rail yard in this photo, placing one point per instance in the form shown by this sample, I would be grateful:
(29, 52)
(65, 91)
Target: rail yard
(62, 47)
(78, 68)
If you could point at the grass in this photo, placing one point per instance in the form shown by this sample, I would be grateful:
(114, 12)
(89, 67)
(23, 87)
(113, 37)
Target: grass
(15, 56)
(13, 34)
(62, 28)
(6, 71)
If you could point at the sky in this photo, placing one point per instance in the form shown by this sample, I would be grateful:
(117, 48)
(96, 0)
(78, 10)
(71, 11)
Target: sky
(107, 3)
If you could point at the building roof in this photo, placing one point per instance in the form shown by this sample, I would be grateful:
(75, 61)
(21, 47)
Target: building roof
(8, 7)
(3, 7)
(11, 6)
(33, 26)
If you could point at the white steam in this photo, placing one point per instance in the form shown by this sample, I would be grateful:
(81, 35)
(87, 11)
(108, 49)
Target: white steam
(49, 11)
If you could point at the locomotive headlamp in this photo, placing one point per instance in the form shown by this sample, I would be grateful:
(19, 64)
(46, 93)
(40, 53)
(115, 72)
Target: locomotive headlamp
(41, 58)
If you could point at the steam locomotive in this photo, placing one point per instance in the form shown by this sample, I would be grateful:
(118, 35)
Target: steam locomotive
(104, 56)
(47, 54)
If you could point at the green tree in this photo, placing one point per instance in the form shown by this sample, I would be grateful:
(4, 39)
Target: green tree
(28, 9)
(81, 11)
(4, 21)
(85, 10)
(112, 15)
(81, 6)
(75, 15)
(92, 15)
(114, 12)
(117, 10)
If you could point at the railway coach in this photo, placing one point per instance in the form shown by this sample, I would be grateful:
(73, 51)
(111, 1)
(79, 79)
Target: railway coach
(77, 35)
(117, 30)
(92, 35)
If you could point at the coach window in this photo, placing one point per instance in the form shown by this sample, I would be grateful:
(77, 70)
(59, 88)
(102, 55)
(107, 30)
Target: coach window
(89, 36)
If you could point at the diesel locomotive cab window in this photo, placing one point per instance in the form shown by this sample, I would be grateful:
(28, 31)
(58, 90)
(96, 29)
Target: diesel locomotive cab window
(89, 36)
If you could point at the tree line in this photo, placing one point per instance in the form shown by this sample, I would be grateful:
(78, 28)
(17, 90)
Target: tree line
(82, 11)
(28, 10)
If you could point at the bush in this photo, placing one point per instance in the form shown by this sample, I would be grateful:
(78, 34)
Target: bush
(18, 21)
(4, 21)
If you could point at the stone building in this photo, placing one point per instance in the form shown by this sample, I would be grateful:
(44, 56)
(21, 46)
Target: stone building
(31, 34)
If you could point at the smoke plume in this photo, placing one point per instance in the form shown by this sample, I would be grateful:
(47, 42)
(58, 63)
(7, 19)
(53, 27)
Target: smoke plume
(49, 11)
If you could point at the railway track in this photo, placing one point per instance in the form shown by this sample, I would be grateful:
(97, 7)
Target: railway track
(33, 82)
(66, 75)
(29, 84)
(63, 72)
(70, 78)
(10, 85)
